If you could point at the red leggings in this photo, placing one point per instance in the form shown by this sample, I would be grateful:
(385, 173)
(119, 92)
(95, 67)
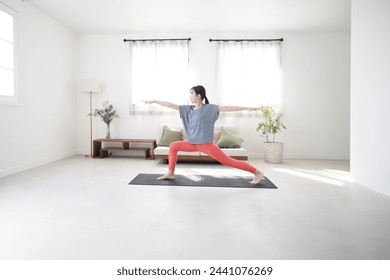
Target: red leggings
(211, 149)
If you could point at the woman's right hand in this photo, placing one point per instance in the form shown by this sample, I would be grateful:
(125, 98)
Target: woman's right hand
(148, 101)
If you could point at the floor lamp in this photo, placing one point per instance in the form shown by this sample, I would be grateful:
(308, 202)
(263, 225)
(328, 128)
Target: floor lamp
(90, 86)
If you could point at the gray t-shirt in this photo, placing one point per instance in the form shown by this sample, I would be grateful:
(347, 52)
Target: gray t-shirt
(199, 124)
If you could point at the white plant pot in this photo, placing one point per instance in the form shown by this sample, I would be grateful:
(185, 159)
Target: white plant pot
(273, 152)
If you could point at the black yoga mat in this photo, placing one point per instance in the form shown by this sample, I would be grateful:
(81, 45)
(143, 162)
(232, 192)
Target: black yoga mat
(202, 181)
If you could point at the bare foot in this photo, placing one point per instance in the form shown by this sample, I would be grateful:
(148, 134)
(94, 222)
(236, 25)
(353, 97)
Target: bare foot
(258, 176)
(168, 176)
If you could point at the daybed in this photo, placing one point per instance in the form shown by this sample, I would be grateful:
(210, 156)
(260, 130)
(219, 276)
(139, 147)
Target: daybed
(225, 137)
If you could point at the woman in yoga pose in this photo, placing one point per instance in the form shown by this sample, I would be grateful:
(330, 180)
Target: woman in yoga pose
(198, 121)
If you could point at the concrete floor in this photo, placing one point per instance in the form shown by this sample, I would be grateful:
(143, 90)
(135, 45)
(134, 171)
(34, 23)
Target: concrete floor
(82, 208)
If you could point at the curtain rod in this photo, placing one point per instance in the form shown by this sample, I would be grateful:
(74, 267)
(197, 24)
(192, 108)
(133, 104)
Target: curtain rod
(145, 40)
(248, 40)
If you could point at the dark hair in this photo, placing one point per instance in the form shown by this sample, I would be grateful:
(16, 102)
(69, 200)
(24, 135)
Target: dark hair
(202, 91)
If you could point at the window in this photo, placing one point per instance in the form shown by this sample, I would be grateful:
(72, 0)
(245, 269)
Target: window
(8, 55)
(248, 73)
(159, 70)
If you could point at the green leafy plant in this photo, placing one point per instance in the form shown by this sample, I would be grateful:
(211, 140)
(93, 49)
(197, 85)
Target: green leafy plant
(107, 114)
(271, 123)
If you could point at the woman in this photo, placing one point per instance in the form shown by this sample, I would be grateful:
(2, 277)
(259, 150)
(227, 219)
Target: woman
(198, 121)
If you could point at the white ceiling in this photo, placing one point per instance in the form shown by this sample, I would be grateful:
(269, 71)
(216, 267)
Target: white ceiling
(125, 16)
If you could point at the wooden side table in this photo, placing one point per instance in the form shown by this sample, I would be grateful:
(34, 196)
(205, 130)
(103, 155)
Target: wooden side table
(100, 152)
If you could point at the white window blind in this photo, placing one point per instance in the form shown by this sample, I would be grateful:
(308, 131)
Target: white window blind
(159, 70)
(249, 73)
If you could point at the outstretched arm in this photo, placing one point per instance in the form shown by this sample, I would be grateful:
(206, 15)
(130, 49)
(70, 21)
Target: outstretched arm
(236, 108)
(162, 103)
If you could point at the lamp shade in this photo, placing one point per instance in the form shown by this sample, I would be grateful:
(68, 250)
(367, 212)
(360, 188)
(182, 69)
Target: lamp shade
(90, 86)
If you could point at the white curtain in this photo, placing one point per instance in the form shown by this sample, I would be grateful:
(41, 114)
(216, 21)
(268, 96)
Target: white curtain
(159, 70)
(249, 73)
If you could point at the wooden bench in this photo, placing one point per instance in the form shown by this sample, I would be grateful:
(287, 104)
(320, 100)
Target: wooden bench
(104, 152)
(100, 152)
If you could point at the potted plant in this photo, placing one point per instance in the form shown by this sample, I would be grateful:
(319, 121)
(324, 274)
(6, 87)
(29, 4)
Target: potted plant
(107, 114)
(269, 127)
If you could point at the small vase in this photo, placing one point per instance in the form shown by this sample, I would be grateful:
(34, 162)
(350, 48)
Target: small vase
(108, 134)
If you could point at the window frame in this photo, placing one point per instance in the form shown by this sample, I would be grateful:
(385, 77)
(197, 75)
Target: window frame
(152, 109)
(13, 99)
(275, 101)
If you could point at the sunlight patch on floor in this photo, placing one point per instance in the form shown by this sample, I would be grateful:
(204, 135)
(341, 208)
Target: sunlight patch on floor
(215, 172)
(328, 176)
(193, 178)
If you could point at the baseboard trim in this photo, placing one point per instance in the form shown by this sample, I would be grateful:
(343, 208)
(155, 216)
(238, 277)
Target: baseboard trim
(34, 164)
(304, 156)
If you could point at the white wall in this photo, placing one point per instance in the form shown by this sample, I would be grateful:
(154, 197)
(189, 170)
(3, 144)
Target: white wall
(51, 121)
(370, 94)
(315, 97)
(42, 129)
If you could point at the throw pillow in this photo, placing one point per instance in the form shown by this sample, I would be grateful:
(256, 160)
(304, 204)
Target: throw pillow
(229, 139)
(169, 135)
(217, 134)
(183, 133)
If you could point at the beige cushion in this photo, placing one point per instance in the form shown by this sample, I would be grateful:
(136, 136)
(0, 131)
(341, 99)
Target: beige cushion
(231, 152)
(164, 151)
(229, 139)
(170, 135)
(184, 134)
